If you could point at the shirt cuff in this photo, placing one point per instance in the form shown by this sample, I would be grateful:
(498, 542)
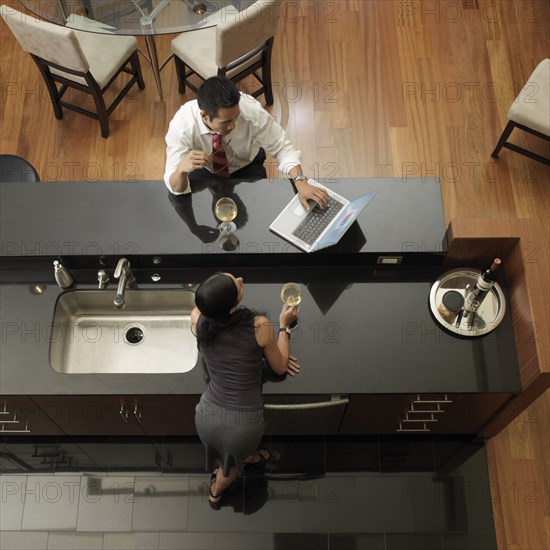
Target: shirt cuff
(288, 165)
(167, 183)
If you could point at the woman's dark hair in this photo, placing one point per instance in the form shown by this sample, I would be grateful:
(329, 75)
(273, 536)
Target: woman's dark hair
(215, 298)
(217, 92)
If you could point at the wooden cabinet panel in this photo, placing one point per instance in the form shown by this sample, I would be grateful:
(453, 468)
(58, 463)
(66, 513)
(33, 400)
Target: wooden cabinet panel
(166, 414)
(90, 415)
(121, 415)
(420, 413)
(374, 414)
(468, 413)
(22, 417)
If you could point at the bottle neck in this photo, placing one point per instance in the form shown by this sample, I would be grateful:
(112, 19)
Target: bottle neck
(489, 274)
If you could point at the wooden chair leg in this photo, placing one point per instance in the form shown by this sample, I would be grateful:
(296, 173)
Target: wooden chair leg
(180, 73)
(101, 110)
(136, 68)
(51, 86)
(503, 138)
(266, 77)
(54, 96)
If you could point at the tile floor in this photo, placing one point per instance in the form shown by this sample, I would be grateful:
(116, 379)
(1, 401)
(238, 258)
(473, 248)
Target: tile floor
(324, 494)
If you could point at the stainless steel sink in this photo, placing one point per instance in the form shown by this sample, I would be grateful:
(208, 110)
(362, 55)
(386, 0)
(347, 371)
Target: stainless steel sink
(152, 334)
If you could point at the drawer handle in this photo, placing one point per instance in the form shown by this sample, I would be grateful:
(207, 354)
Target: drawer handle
(334, 402)
(401, 429)
(25, 431)
(124, 413)
(430, 411)
(427, 411)
(418, 400)
(431, 419)
(137, 412)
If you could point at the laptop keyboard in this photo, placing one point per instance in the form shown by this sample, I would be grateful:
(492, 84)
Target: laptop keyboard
(316, 221)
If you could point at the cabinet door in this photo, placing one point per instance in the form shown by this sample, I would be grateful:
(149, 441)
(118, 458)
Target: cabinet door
(91, 415)
(20, 416)
(420, 413)
(468, 413)
(374, 414)
(165, 414)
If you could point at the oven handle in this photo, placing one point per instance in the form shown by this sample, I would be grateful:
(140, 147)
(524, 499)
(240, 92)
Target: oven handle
(335, 401)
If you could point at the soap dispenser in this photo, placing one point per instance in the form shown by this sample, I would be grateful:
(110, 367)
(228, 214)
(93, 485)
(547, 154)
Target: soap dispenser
(62, 276)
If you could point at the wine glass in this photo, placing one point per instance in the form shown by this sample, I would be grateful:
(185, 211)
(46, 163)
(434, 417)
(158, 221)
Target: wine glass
(291, 295)
(226, 211)
(229, 243)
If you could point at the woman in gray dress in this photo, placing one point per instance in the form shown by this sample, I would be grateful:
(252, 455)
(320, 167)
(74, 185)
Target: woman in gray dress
(233, 342)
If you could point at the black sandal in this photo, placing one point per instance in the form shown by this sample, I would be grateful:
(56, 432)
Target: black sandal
(217, 504)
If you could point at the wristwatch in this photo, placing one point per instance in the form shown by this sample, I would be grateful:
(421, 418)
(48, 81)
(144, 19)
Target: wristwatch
(301, 177)
(287, 330)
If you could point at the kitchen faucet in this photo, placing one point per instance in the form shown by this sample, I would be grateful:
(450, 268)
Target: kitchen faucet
(123, 272)
(103, 279)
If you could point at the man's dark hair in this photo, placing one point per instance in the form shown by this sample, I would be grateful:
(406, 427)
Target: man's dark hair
(217, 92)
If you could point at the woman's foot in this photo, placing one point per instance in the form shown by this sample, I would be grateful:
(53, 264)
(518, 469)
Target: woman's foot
(261, 456)
(214, 499)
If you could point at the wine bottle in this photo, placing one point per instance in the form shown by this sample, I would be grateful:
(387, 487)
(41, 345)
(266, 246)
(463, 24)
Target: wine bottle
(484, 284)
(489, 274)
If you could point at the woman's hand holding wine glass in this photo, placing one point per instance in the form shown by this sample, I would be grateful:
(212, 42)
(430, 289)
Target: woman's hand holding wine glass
(289, 315)
(291, 295)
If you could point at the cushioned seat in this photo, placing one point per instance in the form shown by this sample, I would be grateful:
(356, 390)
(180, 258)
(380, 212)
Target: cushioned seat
(236, 48)
(86, 61)
(530, 112)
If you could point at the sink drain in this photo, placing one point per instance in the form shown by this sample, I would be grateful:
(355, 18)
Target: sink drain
(134, 335)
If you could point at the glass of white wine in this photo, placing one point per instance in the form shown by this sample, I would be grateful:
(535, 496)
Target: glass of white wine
(226, 212)
(291, 295)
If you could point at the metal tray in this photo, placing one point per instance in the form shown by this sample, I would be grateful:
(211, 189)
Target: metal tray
(488, 315)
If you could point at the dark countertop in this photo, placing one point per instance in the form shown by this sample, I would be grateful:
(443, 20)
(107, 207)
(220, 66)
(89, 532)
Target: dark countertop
(362, 330)
(139, 220)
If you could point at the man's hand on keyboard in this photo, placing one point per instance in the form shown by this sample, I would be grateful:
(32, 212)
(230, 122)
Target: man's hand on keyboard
(311, 192)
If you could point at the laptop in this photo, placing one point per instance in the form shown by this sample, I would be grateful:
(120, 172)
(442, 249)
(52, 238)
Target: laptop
(318, 228)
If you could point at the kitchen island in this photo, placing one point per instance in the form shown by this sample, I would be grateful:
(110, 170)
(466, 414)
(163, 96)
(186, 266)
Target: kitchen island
(365, 326)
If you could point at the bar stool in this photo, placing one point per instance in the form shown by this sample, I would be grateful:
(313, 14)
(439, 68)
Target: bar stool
(14, 169)
(236, 48)
(530, 112)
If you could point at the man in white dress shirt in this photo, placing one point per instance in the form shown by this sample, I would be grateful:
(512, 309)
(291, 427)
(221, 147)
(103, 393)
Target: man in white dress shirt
(246, 130)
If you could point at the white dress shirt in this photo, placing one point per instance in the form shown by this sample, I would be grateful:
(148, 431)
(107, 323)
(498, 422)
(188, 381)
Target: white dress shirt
(255, 128)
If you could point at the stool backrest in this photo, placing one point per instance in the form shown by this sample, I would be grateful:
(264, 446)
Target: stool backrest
(246, 30)
(54, 43)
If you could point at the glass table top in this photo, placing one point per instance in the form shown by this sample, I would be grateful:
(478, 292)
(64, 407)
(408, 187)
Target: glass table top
(137, 17)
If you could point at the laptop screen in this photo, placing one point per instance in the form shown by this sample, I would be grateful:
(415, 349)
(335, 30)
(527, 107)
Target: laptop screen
(345, 219)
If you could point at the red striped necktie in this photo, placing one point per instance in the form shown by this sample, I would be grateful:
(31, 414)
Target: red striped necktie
(219, 159)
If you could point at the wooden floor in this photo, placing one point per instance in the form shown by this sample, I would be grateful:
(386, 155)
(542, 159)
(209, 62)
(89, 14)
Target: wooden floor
(364, 88)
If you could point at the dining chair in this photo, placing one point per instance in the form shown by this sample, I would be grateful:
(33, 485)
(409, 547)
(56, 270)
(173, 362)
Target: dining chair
(80, 60)
(14, 169)
(235, 48)
(530, 112)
